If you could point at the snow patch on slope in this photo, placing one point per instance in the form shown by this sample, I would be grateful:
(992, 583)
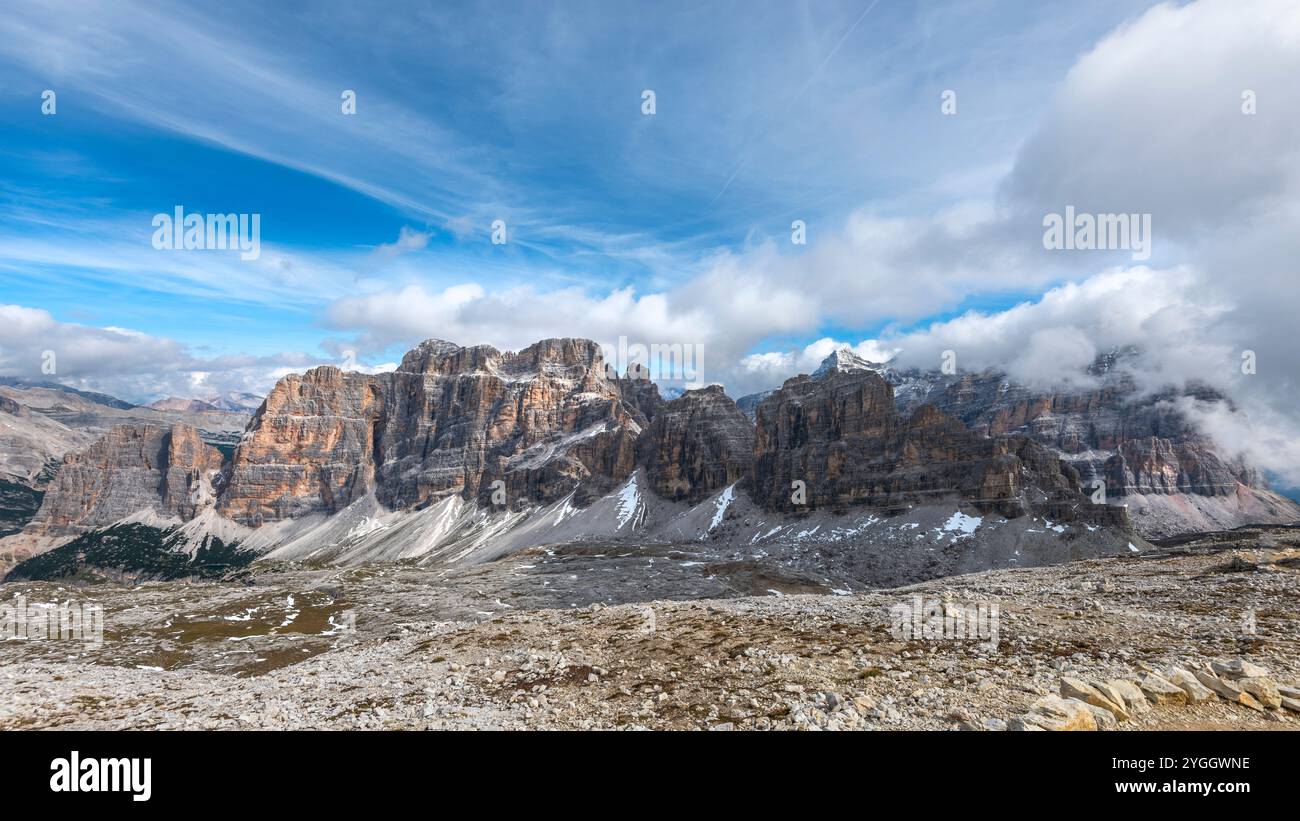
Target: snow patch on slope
(963, 524)
(629, 503)
(720, 506)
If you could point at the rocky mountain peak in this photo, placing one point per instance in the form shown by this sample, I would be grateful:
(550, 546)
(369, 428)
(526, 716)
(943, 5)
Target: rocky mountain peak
(174, 403)
(565, 358)
(639, 392)
(450, 420)
(323, 375)
(696, 445)
(844, 360)
(430, 355)
(708, 391)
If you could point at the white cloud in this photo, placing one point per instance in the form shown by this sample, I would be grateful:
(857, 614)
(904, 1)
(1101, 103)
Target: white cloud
(1169, 313)
(408, 239)
(128, 364)
(1149, 121)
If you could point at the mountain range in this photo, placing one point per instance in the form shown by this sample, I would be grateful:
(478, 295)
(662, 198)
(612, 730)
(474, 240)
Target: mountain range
(228, 402)
(463, 454)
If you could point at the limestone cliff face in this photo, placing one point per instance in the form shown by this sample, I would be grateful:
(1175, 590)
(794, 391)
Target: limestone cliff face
(540, 421)
(696, 445)
(530, 427)
(517, 429)
(1140, 446)
(189, 467)
(310, 448)
(130, 469)
(1136, 444)
(843, 438)
(449, 420)
(1159, 465)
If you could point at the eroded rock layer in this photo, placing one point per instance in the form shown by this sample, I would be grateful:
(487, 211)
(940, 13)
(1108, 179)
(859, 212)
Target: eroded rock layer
(310, 448)
(449, 420)
(838, 441)
(132, 468)
(696, 445)
(1142, 447)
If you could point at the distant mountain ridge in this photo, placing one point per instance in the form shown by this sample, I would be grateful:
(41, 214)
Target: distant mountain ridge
(99, 398)
(173, 403)
(844, 360)
(41, 423)
(494, 440)
(228, 402)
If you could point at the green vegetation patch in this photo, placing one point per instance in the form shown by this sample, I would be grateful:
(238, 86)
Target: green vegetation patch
(135, 550)
(18, 504)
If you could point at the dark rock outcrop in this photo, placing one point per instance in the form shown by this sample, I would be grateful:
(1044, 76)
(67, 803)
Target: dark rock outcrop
(1136, 443)
(696, 445)
(640, 393)
(1140, 446)
(843, 438)
(12, 408)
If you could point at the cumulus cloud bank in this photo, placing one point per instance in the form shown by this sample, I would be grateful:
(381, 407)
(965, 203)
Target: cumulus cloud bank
(126, 363)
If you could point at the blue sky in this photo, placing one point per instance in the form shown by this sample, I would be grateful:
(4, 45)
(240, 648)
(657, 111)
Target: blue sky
(527, 112)
(924, 230)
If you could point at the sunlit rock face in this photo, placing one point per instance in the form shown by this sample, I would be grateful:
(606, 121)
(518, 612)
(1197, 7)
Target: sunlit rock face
(539, 422)
(310, 447)
(449, 420)
(132, 468)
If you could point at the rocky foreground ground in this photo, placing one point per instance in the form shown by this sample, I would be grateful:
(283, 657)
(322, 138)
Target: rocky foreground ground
(1202, 635)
